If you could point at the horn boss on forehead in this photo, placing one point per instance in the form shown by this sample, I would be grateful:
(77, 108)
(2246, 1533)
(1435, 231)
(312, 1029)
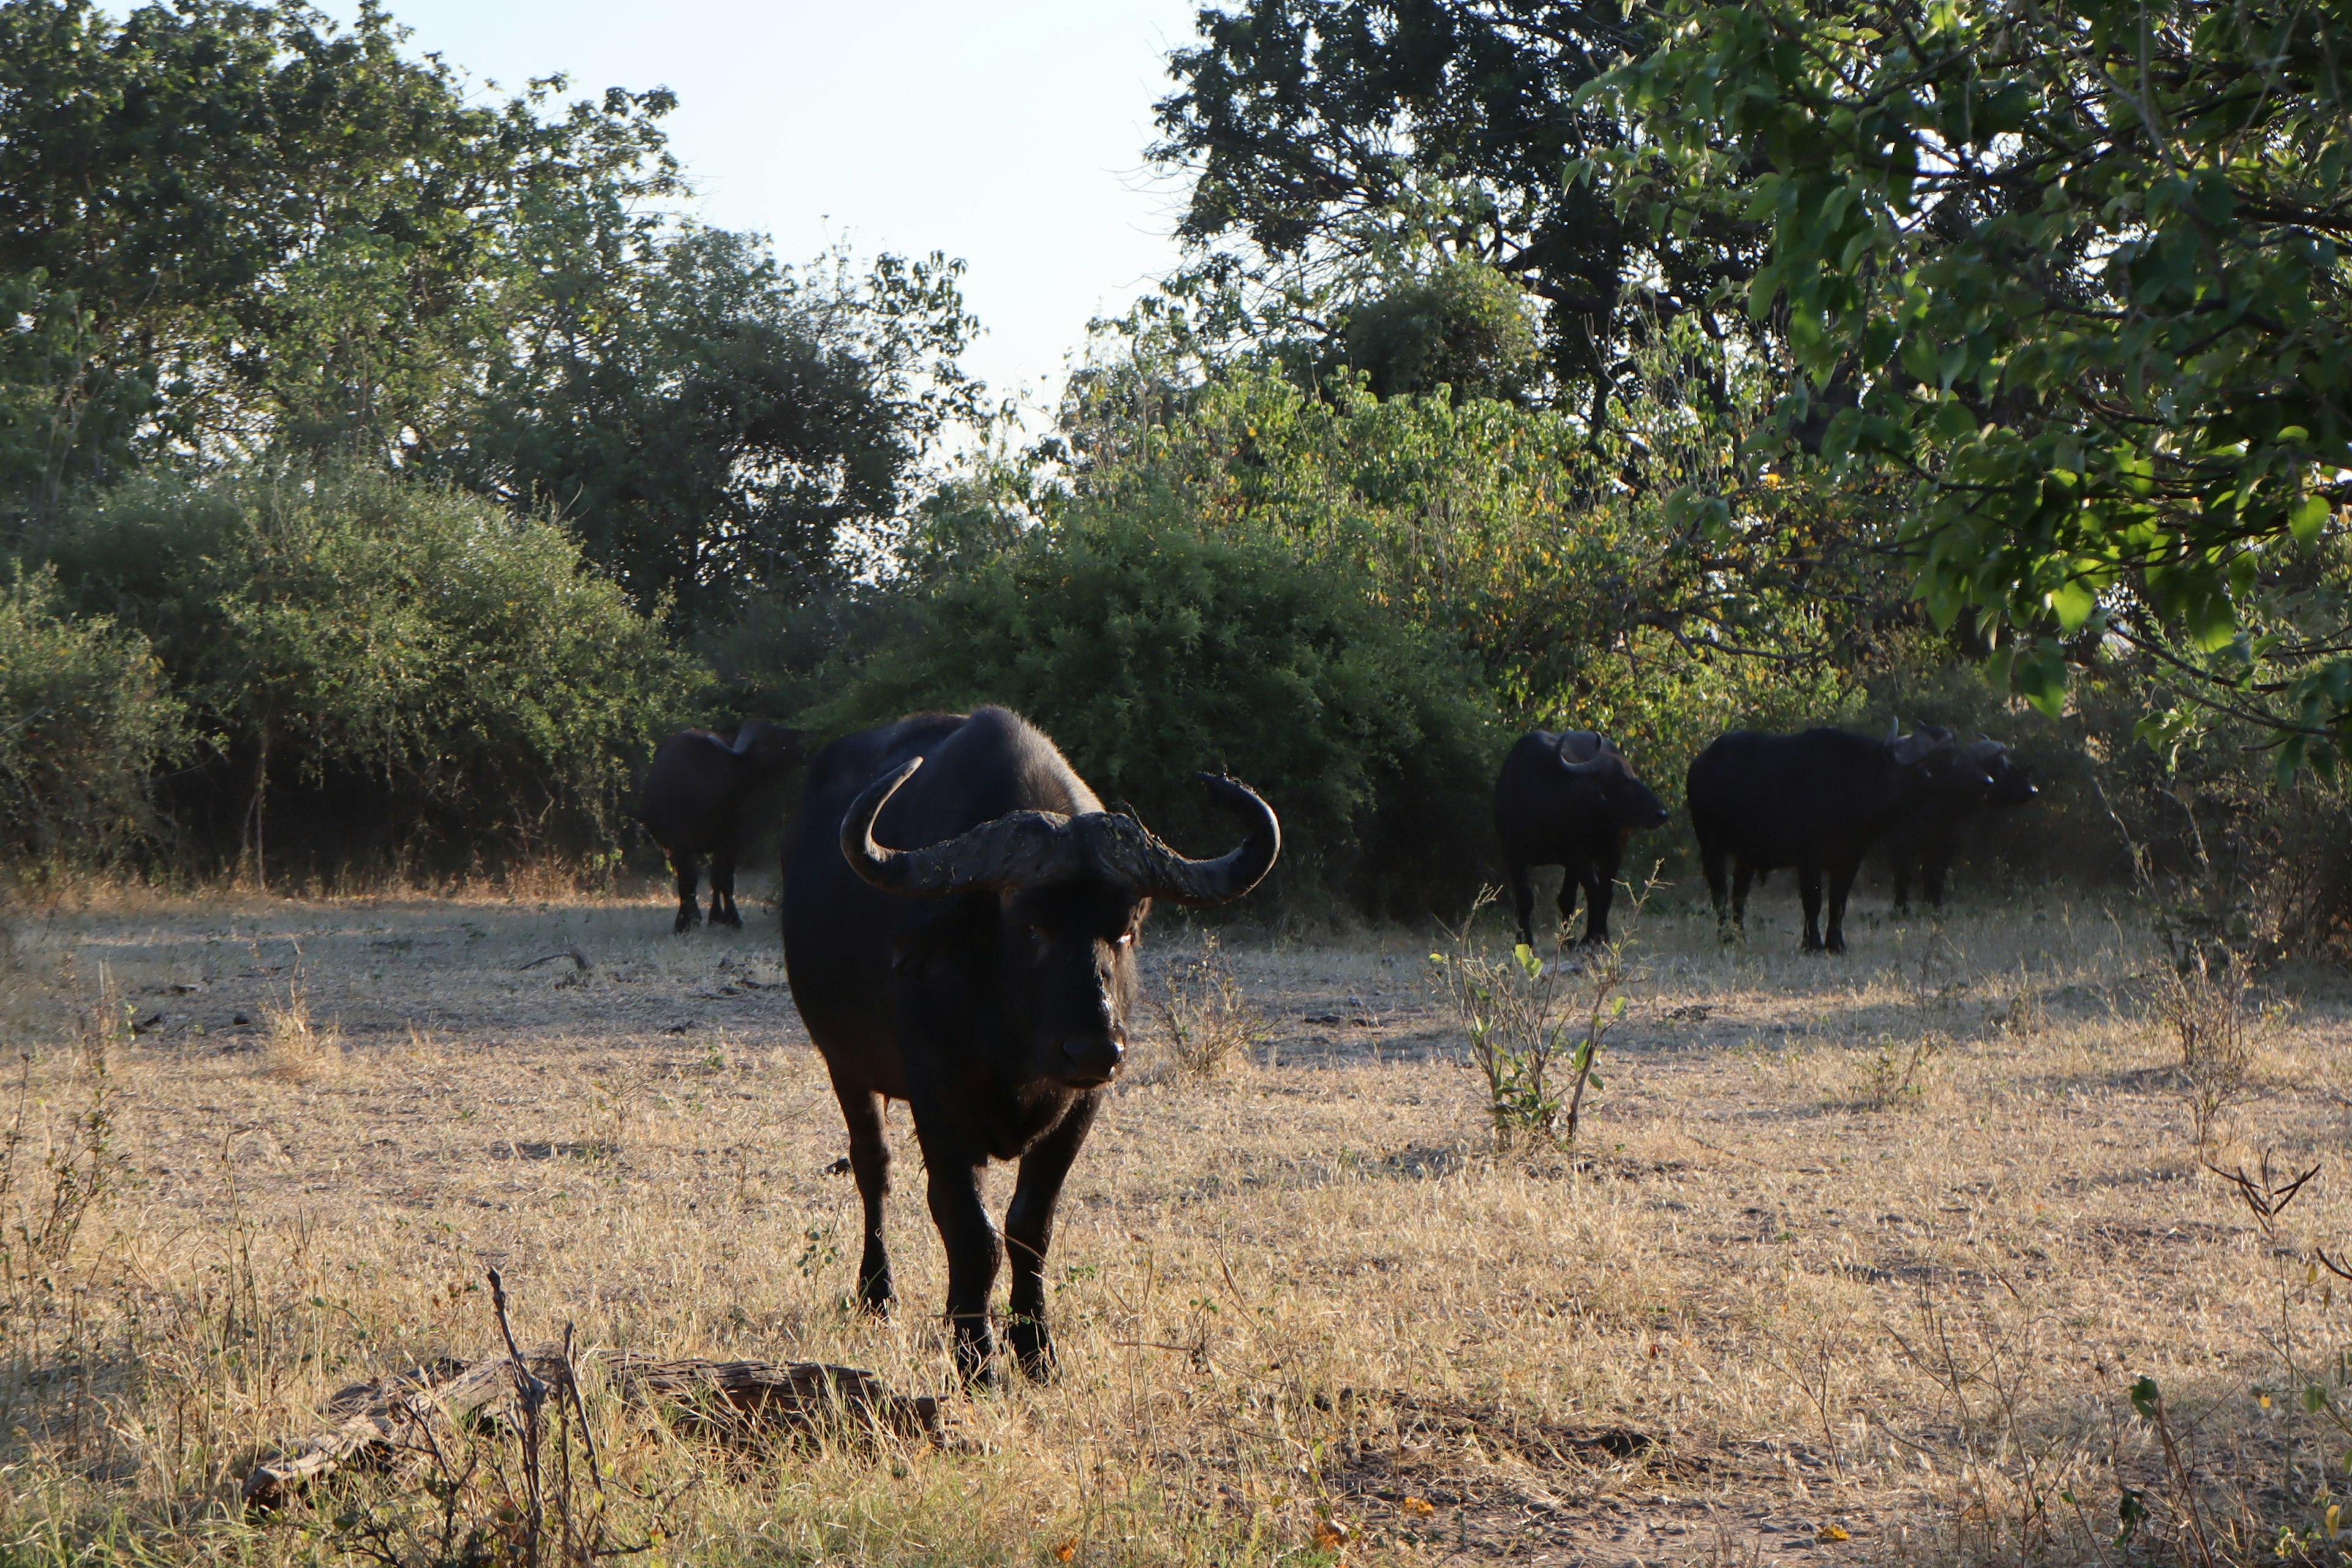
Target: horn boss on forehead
(1035, 848)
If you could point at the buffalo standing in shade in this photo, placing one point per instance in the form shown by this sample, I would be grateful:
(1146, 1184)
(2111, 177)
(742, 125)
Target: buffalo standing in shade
(1569, 800)
(1815, 801)
(982, 974)
(1922, 845)
(693, 800)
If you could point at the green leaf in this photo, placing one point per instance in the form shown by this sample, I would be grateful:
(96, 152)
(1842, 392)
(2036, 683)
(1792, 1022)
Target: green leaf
(2307, 517)
(2145, 1397)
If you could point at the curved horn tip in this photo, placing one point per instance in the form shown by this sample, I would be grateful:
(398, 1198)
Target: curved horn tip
(858, 845)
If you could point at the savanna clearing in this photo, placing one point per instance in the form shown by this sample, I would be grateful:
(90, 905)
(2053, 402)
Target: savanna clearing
(1856, 1261)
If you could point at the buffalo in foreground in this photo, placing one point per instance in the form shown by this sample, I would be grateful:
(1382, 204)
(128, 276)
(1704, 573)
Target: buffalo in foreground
(1815, 801)
(692, 806)
(1922, 845)
(1569, 800)
(981, 969)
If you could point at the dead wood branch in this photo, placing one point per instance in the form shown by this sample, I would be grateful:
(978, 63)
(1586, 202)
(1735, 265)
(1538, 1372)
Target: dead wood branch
(382, 1421)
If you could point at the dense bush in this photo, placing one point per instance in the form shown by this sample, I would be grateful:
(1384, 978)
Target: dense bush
(375, 666)
(1149, 649)
(85, 719)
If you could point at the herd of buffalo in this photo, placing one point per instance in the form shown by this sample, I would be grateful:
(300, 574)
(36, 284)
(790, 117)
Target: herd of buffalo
(960, 914)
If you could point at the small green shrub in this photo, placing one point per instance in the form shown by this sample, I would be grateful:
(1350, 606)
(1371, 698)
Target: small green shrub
(84, 718)
(1150, 651)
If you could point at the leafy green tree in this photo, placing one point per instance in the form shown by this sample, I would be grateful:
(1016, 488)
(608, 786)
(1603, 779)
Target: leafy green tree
(2075, 275)
(291, 222)
(1329, 138)
(253, 234)
(716, 426)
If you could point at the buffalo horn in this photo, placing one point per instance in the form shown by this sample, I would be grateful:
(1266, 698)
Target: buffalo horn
(1576, 741)
(1984, 749)
(1021, 849)
(1124, 845)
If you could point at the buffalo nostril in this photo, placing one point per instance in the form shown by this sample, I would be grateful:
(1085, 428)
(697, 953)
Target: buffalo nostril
(1091, 1061)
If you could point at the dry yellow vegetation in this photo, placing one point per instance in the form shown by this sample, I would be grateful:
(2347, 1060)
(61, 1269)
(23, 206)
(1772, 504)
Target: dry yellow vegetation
(1857, 1261)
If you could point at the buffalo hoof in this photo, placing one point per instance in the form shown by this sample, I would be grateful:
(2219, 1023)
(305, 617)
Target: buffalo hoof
(684, 923)
(1034, 1347)
(729, 918)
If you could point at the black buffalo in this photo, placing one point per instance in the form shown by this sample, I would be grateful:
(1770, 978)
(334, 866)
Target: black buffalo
(1922, 845)
(982, 974)
(1815, 801)
(692, 806)
(1569, 800)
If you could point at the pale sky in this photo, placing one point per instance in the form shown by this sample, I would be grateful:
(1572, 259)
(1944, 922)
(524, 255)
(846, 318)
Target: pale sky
(1011, 135)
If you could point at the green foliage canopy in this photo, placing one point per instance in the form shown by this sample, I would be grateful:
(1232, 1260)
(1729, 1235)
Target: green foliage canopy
(233, 232)
(333, 628)
(86, 716)
(1329, 138)
(2077, 272)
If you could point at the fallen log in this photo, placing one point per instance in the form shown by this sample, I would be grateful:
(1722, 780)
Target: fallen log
(405, 1413)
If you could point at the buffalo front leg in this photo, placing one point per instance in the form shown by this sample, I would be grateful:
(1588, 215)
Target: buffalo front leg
(1029, 1231)
(869, 1159)
(1931, 880)
(970, 1240)
(1902, 883)
(1523, 897)
(722, 887)
(1743, 875)
(688, 911)
(1808, 883)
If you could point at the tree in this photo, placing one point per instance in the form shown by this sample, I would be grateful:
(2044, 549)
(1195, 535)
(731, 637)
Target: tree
(1356, 146)
(2075, 273)
(716, 426)
(291, 223)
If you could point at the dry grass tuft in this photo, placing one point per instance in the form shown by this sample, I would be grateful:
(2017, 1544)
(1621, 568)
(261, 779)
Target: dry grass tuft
(1205, 1017)
(296, 1048)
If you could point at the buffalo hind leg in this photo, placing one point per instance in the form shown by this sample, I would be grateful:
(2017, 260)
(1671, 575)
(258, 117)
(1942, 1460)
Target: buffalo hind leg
(869, 1158)
(1719, 888)
(1808, 883)
(1568, 880)
(1931, 881)
(1840, 888)
(722, 887)
(688, 911)
(1902, 884)
(1029, 1231)
(1523, 897)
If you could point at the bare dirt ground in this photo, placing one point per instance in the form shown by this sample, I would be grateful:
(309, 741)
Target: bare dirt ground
(1857, 1259)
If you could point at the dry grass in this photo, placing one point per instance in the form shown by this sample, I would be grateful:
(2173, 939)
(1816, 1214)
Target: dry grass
(1794, 1297)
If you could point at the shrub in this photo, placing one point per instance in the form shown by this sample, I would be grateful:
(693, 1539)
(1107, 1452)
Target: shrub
(376, 664)
(1148, 649)
(84, 720)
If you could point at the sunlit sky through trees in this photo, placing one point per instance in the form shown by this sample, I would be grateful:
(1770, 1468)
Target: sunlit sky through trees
(1009, 135)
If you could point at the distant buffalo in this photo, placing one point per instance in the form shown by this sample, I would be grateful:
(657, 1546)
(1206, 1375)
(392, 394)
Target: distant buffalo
(1922, 845)
(1815, 801)
(1569, 800)
(961, 918)
(692, 806)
